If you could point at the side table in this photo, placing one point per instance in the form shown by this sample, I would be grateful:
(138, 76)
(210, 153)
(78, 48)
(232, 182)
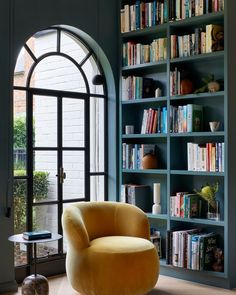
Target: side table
(34, 284)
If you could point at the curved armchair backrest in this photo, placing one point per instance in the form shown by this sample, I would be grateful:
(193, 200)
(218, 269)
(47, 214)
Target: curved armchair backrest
(92, 220)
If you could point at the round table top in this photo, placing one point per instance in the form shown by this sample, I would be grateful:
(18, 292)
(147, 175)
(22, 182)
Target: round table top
(19, 239)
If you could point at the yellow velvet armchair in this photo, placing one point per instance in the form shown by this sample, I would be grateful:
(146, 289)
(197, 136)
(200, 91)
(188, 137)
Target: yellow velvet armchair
(109, 251)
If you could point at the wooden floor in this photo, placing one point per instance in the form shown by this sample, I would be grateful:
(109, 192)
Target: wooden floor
(165, 286)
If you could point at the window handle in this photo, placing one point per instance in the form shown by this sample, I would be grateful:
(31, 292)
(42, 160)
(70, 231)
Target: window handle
(61, 175)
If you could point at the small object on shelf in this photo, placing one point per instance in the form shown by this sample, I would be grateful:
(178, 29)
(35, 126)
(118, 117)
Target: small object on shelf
(158, 92)
(156, 208)
(129, 129)
(206, 81)
(156, 240)
(208, 193)
(214, 126)
(186, 86)
(149, 161)
(213, 86)
(37, 235)
(213, 211)
(218, 264)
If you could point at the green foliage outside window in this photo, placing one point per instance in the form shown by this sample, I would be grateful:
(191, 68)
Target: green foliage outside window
(40, 191)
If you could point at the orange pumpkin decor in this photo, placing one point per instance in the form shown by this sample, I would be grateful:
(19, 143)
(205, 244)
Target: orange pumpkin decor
(149, 161)
(186, 87)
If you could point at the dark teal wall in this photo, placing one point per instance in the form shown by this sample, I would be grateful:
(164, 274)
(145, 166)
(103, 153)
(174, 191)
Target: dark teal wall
(20, 19)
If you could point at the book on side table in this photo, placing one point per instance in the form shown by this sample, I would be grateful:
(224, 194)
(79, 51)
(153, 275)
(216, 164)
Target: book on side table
(37, 235)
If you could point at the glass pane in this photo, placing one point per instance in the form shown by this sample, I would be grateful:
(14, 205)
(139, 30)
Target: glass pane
(45, 41)
(91, 69)
(45, 179)
(45, 218)
(19, 133)
(23, 65)
(73, 47)
(45, 121)
(97, 188)
(58, 73)
(73, 122)
(19, 195)
(97, 134)
(73, 163)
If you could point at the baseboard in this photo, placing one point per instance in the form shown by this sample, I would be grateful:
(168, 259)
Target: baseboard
(8, 287)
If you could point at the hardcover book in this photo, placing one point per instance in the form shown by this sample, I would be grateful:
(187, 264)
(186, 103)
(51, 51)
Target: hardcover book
(207, 244)
(37, 235)
(139, 195)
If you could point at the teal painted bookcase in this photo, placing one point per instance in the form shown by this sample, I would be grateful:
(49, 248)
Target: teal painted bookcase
(172, 172)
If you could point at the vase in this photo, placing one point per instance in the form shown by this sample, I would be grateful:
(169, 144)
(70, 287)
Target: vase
(149, 161)
(213, 211)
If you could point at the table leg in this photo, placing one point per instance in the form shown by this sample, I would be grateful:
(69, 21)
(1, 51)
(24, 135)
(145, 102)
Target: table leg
(35, 284)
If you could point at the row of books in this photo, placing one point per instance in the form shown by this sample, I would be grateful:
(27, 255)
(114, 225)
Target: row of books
(201, 41)
(186, 118)
(182, 9)
(142, 14)
(175, 78)
(154, 121)
(136, 53)
(132, 154)
(186, 205)
(134, 87)
(205, 157)
(191, 249)
(138, 195)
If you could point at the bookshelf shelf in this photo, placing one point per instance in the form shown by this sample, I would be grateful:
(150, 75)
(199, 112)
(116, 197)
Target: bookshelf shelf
(136, 136)
(157, 216)
(197, 173)
(199, 221)
(199, 58)
(146, 171)
(193, 273)
(160, 65)
(144, 100)
(199, 95)
(214, 17)
(154, 30)
(174, 148)
(199, 134)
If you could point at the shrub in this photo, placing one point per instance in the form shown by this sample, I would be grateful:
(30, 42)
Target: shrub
(40, 192)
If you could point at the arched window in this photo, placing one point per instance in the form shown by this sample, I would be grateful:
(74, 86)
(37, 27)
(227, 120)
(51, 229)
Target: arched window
(60, 129)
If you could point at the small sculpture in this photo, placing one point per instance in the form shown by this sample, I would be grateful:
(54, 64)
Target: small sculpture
(213, 86)
(210, 84)
(218, 264)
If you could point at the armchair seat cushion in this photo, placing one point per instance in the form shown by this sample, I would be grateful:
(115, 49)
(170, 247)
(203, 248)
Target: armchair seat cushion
(126, 265)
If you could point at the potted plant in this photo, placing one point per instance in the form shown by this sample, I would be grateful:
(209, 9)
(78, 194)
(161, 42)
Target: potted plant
(208, 193)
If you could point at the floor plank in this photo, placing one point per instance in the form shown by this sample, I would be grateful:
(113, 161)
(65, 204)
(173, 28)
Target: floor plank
(166, 286)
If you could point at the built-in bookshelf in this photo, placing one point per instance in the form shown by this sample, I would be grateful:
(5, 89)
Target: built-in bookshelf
(189, 155)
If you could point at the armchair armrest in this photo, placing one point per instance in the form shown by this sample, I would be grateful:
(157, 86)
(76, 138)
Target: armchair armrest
(74, 228)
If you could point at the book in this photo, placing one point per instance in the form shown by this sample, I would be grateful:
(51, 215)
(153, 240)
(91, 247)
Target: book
(214, 38)
(193, 205)
(139, 195)
(37, 235)
(207, 244)
(194, 118)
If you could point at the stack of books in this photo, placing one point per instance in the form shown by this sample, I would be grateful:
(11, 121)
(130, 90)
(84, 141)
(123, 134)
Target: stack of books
(37, 235)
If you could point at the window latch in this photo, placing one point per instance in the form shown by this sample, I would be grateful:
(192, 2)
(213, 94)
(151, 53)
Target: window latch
(61, 175)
